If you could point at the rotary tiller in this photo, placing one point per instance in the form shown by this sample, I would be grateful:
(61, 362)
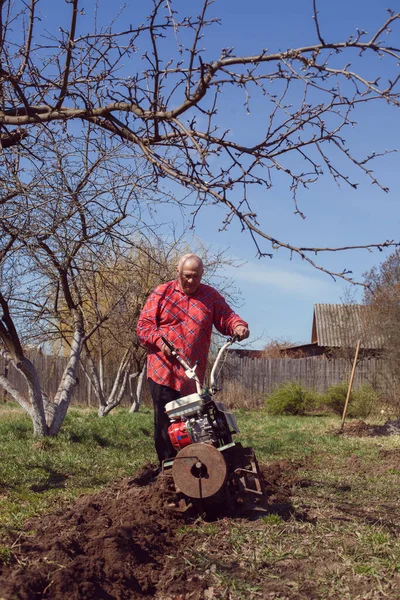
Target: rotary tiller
(209, 468)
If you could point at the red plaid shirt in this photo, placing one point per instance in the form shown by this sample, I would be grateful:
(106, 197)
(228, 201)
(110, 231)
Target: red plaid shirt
(186, 321)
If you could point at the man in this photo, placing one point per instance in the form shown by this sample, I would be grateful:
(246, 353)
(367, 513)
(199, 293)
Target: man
(183, 311)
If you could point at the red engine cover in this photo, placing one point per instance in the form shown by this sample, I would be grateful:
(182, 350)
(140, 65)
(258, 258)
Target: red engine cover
(178, 434)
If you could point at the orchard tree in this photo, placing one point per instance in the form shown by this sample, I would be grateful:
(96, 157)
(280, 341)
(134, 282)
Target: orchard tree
(60, 206)
(113, 293)
(154, 86)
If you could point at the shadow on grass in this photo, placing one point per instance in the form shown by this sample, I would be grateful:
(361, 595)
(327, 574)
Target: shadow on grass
(286, 511)
(55, 480)
(88, 438)
(382, 516)
(96, 439)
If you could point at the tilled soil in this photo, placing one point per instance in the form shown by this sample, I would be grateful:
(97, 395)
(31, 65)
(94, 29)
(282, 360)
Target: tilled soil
(124, 542)
(310, 539)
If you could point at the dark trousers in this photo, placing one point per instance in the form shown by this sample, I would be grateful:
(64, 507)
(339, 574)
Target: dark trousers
(161, 395)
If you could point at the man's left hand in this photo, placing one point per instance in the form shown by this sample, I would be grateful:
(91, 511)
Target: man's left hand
(241, 332)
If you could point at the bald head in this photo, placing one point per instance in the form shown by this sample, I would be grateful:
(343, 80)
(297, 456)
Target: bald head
(194, 260)
(190, 271)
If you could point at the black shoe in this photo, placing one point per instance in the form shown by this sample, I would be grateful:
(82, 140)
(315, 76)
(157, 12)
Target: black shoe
(155, 474)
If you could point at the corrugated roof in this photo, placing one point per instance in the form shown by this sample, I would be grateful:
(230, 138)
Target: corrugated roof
(342, 325)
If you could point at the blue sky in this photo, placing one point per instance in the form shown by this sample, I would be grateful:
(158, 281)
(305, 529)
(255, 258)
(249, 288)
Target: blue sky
(278, 294)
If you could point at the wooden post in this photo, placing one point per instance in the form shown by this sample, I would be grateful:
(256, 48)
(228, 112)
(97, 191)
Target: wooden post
(350, 384)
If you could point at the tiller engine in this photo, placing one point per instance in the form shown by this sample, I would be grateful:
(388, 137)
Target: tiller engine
(208, 464)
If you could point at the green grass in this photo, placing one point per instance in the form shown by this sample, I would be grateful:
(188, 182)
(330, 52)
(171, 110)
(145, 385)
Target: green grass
(89, 452)
(278, 437)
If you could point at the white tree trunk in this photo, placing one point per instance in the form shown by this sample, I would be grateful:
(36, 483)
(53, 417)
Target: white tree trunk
(101, 373)
(68, 382)
(116, 398)
(34, 406)
(14, 393)
(137, 396)
(94, 377)
(119, 386)
(47, 416)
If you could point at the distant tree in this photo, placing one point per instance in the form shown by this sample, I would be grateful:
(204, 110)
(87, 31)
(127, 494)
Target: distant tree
(382, 298)
(155, 87)
(114, 293)
(277, 348)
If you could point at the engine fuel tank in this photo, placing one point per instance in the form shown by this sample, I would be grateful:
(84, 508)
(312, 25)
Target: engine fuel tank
(179, 435)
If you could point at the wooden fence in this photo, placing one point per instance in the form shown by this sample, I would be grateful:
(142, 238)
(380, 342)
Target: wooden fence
(50, 369)
(260, 376)
(264, 375)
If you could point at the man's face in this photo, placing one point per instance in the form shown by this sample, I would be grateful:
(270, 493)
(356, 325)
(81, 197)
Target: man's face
(190, 276)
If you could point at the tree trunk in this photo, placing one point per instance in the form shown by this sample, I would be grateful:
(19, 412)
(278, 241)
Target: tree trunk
(6, 368)
(139, 390)
(47, 416)
(68, 382)
(34, 406)
(38, 415)
(117, 394)
(94, 377)
(119, 386)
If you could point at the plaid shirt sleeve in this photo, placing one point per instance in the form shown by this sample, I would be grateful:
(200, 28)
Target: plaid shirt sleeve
(225, 319)
(147, 328)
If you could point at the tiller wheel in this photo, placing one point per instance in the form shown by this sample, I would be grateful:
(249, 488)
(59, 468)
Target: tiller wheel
(227, 477)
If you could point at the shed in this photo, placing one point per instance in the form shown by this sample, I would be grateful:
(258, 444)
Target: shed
(338, 326)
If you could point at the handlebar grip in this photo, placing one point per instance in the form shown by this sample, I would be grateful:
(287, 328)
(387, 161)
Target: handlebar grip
(167, 343)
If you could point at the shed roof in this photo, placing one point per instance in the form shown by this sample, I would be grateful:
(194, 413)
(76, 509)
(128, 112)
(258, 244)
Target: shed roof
(342, 325)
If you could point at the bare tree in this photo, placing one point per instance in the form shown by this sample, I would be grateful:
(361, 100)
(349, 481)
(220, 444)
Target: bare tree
(382, 300)
(114, 295)
(61, 205)
(278, 348)
(153, 86)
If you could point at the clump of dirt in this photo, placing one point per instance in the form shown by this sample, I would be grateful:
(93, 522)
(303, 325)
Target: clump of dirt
(392, 426)
(120, 543)
(107, 545)
(355, 428)
(361, 429)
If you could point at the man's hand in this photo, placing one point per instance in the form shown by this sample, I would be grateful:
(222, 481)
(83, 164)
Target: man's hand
(241, 332)
(166, 350)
